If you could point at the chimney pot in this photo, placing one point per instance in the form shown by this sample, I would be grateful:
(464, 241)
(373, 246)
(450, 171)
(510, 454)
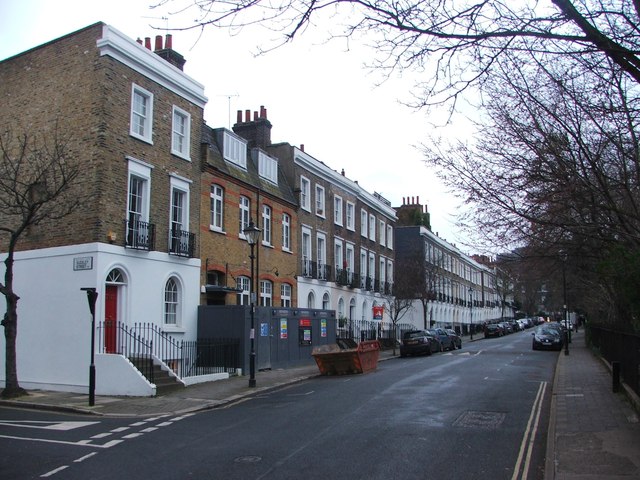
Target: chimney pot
(263, 112)
(418, 199)
(158, 42)
(168, 42)
(247, 115)
(139, 40)
(255, 116)
(147, 42)
(239, 116)
(342, 172)
(302, 147)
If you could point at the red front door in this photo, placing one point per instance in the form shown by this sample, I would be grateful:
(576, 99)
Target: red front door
(110, 318)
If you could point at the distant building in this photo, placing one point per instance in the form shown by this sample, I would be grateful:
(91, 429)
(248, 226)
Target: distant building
(455, 290)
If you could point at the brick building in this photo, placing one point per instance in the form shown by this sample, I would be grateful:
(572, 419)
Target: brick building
(242, 183)
(345, 255)
(133, 118)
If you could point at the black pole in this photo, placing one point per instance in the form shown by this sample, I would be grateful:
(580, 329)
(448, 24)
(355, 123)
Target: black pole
(566, 320)
(92, 296)
(252, 333)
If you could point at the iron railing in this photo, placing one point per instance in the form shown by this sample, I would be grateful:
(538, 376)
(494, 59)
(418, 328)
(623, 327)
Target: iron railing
(360, 330)
(140, 235)
(141, 342)
(617, 346)
(182, 243)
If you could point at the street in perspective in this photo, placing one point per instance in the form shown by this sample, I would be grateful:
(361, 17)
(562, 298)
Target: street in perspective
(478, 412)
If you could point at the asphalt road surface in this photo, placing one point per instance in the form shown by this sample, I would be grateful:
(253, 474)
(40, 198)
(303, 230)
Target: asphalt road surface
(476, 413)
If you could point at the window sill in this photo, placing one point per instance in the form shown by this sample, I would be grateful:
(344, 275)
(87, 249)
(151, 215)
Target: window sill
(141, 138)
(217, 230)
(173, 329)
(181, 155)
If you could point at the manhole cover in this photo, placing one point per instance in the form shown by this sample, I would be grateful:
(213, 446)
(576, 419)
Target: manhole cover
(487, 420)
(248, 459)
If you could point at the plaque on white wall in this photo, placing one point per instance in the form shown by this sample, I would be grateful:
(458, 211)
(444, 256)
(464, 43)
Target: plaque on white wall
(83, 263)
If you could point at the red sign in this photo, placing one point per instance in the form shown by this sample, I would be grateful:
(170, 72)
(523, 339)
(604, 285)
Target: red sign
(304, 322)
(378, 312)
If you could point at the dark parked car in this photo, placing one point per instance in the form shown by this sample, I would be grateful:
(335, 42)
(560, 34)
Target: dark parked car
(445, 341)
(457, 341)
(546, 337)
(418, 342)
(493, 330)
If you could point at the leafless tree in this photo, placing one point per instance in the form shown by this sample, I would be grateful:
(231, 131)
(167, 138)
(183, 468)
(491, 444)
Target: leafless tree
(37, 174)
(453, 43)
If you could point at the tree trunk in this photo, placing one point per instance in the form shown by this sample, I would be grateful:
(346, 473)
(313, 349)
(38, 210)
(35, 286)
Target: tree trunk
(10, 323)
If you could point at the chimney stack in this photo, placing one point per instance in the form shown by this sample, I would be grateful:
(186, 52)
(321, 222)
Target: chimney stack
(257, 132)
(166, 52)
(147, 43)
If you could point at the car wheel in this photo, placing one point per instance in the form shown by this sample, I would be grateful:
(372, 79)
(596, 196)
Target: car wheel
(460, 346)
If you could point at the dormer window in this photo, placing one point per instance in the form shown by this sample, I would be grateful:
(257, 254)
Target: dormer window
(268, 167)
(235, 149)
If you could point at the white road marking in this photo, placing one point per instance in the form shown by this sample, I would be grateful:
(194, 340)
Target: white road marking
(529, 435)
(53, 472)
(82, 459)
(45, 425)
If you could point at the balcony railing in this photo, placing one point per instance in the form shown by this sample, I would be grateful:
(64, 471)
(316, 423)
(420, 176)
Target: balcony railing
(182, 243)
(324, 272)
(140, 235)
(308, 268)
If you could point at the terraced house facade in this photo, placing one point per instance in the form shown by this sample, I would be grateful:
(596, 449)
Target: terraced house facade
(132, 118)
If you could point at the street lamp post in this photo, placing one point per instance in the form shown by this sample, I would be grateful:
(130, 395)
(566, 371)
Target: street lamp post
(92, 296)
(471, 311)
(563, 256)
(252, 234)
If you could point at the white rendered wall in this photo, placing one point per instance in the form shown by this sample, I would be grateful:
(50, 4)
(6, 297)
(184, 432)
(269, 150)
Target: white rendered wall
(54, 323)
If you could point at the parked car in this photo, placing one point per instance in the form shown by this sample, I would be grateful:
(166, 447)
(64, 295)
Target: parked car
(506, 327)
(417, 342)
(440, 334)
(493, 330)
(457, 341)
(546, 337)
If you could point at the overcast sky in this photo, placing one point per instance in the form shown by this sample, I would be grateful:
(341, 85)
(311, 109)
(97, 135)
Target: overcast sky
(319, 95)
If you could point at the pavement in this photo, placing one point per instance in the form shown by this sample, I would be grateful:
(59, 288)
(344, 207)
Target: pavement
(594, 433)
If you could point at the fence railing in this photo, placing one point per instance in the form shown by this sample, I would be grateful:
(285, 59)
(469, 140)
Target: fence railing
(360, 330)
(617, 346)
(140, 342)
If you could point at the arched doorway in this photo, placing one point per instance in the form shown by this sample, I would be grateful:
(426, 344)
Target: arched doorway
(114, 282)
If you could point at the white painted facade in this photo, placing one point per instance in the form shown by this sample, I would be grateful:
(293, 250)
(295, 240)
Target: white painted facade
(54, 321)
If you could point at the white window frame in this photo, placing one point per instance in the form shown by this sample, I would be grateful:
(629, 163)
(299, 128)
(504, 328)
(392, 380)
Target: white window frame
(266, 225)
(382, 232)
(306, 249)
(382, 270)
(305, 193)
(337, 210)
(350, 257)
(286, 232)
(321, 207)
(363, 267)
(326, 301)
(141, 172)
(268, 167)
(172, 302)
(181, 133)
(266, 293)
(285, 295)
(179, 185)
(217, 208)
(321, 254)
(372, 227)
(244, 214)
(234, 149)
(390, 271)
(390, 237)
(364, 230)
(351, 212)
(141, 120)
(244, 285)
(338, 255)
(372, 267)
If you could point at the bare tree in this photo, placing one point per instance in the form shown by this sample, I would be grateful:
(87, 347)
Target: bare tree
(37, 174)
(460, 40)
(396, 308)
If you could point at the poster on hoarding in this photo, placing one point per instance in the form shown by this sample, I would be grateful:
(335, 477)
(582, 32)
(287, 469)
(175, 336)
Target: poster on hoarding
(378, 311)
(283, 329)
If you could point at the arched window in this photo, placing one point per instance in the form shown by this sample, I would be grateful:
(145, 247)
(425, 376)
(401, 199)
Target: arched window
(352, 309)
(325, 301)
(364, 310)
(340, 308)
(171, 302)
(116, 277)
(311, 300)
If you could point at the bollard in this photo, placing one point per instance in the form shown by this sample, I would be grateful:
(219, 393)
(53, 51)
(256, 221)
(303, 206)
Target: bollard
(615, 370)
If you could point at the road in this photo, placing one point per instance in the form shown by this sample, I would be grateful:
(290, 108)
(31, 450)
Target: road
(480, 412)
